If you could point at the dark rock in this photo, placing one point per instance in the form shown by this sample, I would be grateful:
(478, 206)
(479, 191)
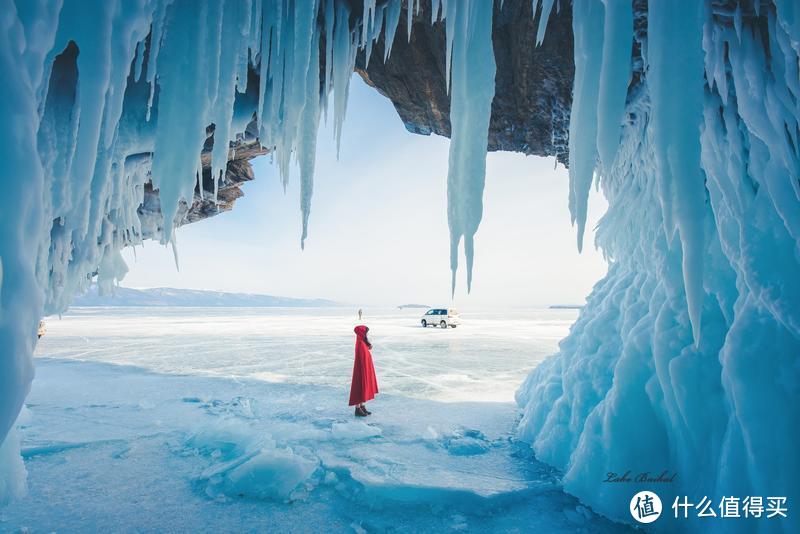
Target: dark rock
(238, 171)
(533, 95)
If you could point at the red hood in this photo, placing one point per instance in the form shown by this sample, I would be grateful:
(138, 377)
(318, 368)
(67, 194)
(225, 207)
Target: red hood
(361, 331)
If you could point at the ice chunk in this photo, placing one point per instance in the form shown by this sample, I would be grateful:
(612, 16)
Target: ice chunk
(466, 443)
(271, 473)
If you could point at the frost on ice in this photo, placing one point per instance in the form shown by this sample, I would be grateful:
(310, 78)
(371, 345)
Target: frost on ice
(686, 114)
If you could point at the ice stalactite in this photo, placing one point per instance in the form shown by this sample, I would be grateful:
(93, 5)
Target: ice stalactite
(675, 81)
(615, 72)
(583, 117)
(472, 71)
(685, 357)
(544, 17)
(307, 142)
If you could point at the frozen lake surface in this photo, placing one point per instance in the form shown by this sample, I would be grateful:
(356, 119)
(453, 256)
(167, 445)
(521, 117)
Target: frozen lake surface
(177, 420)
(484, 359)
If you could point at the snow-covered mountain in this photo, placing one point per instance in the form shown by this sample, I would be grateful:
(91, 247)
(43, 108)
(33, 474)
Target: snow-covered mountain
(167, 296)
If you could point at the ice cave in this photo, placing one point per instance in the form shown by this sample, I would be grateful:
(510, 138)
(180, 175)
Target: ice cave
(126, 119)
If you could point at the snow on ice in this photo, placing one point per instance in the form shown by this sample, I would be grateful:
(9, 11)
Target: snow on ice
(271, 457)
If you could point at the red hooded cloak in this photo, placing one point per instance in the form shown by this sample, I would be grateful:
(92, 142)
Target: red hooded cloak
(365, 384)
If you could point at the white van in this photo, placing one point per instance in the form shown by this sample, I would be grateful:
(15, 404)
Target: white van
(442, 317)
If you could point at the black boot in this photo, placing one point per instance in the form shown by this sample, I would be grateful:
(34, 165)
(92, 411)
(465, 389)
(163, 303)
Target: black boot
(360, 412)
(364, 407)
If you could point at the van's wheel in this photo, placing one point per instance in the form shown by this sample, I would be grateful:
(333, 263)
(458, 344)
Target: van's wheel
(452, 326)
(424, 323)
(443, 324)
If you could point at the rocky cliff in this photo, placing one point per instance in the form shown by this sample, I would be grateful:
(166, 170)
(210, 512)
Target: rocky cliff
(239, 171)
(530, 112)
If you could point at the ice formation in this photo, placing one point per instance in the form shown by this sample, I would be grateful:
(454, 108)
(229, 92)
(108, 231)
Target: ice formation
(102, 107)
(686, 354)
(470, 63)
(686, 114)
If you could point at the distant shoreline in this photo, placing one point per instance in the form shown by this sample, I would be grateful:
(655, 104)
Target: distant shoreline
(165, 297)
(565, 307)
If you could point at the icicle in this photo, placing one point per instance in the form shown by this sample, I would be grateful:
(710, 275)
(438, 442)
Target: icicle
(174, 244)
(583, 117)
(268, 51)
(343, 61)
(614, 76)
(737, 20)
(392, 20)
(244, 43)
(155, 48)
(547, 7)
(182, 108)
(469, 28)
(676, 81)
(409, 17)
(368, 21)
(307, 142)
(367, 46)
(254, 33)
(450, 33)
(330, 16)
(229, 60)
(434, 10)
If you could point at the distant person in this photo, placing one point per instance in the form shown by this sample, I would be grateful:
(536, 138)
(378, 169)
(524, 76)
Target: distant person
(365, 383)
(359, 314)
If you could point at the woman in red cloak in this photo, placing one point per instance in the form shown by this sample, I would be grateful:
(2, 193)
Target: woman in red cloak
(365, 384)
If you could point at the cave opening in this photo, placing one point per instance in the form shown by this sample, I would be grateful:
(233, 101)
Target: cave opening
(686, 119)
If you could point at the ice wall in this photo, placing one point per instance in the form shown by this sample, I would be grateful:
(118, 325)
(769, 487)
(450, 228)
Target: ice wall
(687, 355)
(105, 99)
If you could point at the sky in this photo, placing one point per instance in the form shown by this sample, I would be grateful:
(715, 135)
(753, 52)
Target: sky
(378, 230)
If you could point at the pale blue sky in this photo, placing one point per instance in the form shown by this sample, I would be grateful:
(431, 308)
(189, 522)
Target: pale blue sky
(378, 228)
